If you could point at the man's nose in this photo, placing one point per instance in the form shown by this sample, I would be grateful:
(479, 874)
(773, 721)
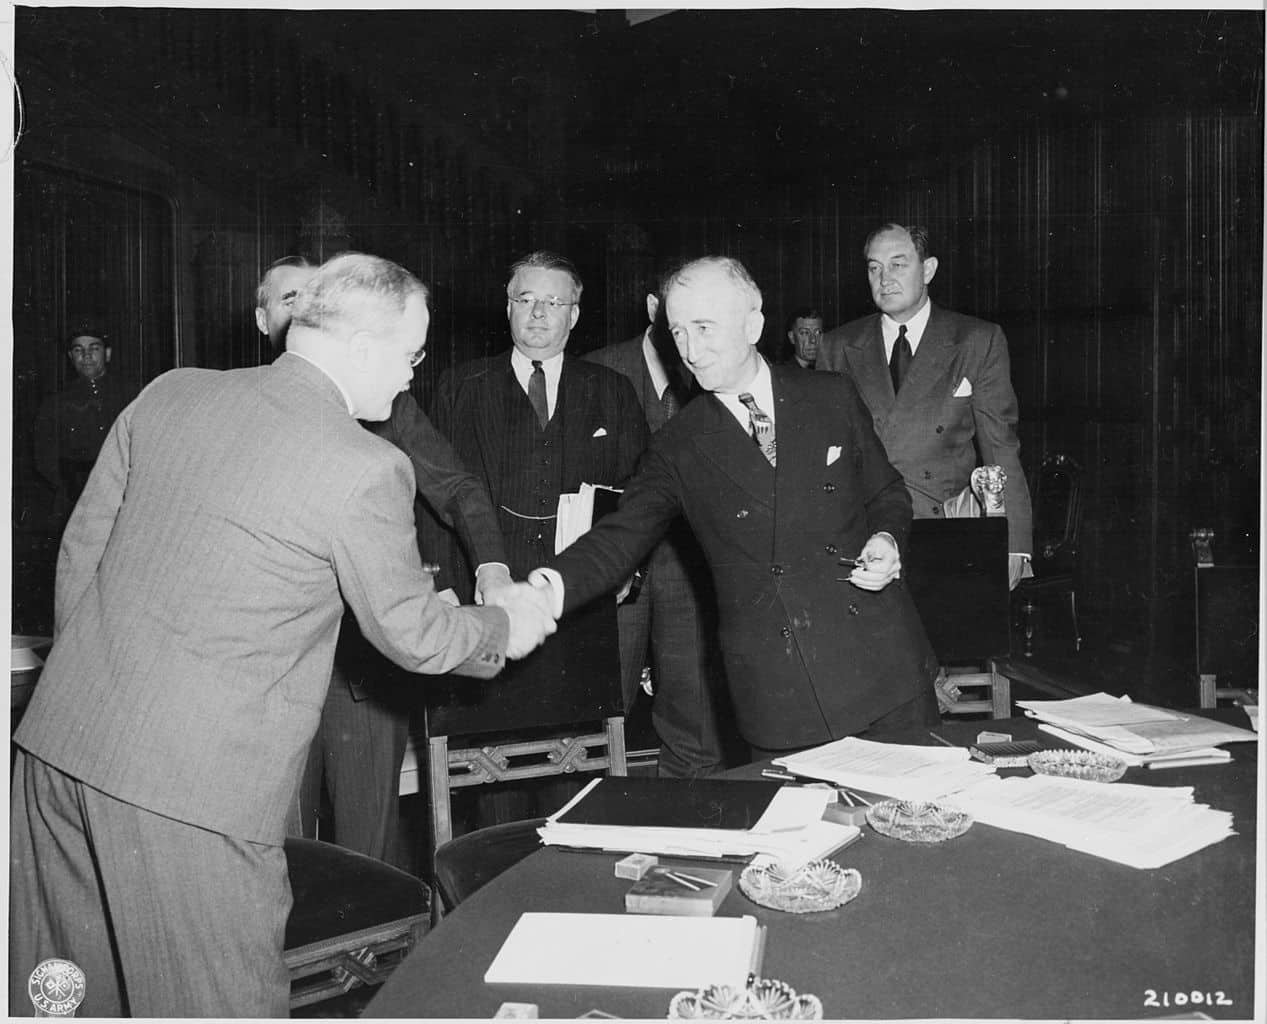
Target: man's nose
(538, 308)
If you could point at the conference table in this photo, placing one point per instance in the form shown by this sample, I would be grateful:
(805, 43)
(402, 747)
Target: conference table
(989, 924)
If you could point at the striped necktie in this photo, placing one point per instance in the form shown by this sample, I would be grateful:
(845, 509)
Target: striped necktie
(537, 393)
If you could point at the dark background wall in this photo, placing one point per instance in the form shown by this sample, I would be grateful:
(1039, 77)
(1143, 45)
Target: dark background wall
(1092, 180)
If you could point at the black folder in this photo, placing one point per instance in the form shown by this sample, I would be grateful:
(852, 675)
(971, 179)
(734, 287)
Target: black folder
(672, 803)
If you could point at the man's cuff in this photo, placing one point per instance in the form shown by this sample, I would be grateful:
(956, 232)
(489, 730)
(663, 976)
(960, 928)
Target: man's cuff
(485, 565)
(888, 536)
(1019, 554)
(555, 582)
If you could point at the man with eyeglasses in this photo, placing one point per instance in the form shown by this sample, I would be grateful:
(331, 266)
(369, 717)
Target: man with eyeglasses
(72, 424)
(364, 727)
(535, 423)
(200, 587)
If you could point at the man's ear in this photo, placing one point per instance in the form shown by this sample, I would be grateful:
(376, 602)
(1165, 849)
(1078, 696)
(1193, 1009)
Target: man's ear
(653, 306)
(108, 353)
(754, 324)
(930, 268)
(261, 320)
(574, 315)
(359, 344)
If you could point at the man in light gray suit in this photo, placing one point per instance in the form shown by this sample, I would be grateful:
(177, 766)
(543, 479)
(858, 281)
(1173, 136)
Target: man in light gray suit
(200, 586)
(938, 385)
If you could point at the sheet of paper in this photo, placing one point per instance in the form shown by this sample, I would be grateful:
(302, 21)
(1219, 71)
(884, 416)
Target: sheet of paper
(898, 770)
(1095, 710)
(628, 950)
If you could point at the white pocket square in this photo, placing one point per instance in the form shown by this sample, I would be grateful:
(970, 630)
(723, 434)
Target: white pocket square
(964, 390)
(833, 453)
(600, 432)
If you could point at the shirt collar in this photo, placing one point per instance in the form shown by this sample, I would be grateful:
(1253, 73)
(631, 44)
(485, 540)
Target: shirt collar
(347, 399)
(914, 326)
(655, 368)
(522, 366)
(762, 390)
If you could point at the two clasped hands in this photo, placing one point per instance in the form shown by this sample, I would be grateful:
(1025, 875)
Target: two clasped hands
(530, 607)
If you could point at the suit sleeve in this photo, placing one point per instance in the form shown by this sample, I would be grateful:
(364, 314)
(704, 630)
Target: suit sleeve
(394, 600)
(995, 415)
(884, 492)
(831, 353)
(604, 557)
(91, 523)
(458, 498)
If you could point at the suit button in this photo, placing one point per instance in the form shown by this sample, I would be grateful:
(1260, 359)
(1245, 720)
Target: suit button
(545, 444)
(785, 632)
(853, 609)
(829, 487)
(940, 429)
(936, 510)
(777, 570)
(742, 514)
(830, 549)
(927, 475)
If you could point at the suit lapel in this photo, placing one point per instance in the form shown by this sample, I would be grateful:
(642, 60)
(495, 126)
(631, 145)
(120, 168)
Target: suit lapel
(495, 387)
(797, 450)
(869, 368)
(928, 369)
(722, 441)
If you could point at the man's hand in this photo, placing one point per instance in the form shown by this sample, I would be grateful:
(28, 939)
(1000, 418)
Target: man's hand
(531, 618)
(881, 564)
(490, 578)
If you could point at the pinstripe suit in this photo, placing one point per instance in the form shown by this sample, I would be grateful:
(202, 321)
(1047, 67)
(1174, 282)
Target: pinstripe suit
(595, 436)
(932, 432)
(199, 590)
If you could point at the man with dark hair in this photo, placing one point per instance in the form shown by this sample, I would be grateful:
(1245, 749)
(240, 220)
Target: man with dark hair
(804, 332)
(71, 425)
(200, 586)
(536, 423)
(275, 295)
(364, 729)
(938, 385)
(672, 614)
(813, 652)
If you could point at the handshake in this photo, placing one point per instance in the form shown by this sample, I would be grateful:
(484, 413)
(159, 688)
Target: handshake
(529, 606)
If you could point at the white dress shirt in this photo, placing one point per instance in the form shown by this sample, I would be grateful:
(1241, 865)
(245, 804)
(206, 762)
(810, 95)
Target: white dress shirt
(914, 329)
(552, 367)
(760, 388)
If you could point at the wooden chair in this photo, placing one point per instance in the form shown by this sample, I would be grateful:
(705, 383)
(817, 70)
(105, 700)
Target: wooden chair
(1057, 522)
(956, 570)
(353, 920)
(475, 733)
(1226, 624)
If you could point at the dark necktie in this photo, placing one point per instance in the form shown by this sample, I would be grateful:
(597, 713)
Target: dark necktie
(900, 358)
(537, 393)
(762, 427)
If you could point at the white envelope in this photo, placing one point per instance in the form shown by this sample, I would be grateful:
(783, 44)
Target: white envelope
(833, 453)
(964, 390)
(600, 432)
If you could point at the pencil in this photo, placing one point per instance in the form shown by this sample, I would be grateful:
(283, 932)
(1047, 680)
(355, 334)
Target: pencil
(848, 799)
(680, 880)
(693, 878)
(862, 799)
(942, 739)
(770, 773)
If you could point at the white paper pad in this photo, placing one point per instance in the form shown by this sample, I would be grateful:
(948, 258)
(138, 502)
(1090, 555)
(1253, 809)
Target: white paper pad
(629, 950)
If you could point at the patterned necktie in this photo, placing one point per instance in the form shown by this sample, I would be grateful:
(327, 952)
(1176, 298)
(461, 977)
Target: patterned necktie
(669, 403)
(900, 358)
(762, 427)
(537, 393)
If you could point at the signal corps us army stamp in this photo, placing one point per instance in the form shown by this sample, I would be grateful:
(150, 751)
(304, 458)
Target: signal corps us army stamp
(56, 988)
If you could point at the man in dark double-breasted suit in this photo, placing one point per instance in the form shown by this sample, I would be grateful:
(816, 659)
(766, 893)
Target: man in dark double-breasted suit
(949, 407)
(532, 424)
(780, 476)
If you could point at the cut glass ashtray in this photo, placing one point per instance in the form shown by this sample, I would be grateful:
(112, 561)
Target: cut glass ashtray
(918, 822)
(1077, 764)
(818, 885)
(764, 999)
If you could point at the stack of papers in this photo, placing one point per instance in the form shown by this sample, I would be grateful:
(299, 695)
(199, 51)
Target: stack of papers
(894, 769)
(700, 818)
(577, 512)
(1135, 733)
(1140, 826)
